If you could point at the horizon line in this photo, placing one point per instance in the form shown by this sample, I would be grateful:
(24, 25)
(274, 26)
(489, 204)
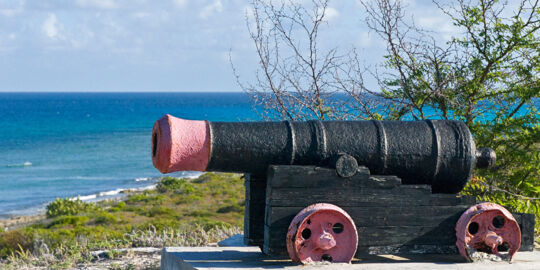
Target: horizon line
(116, 92)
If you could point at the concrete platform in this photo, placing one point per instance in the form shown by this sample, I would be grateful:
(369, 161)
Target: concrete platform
(180, 258)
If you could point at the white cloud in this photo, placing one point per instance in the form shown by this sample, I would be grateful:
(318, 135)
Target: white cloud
(211, 9)
(365, 39)
(9, 12)
(102, 4)
(331, 13)
(180, 3)
(141, 15)
(50, 27)
(439, 24)
(11, 8)
(249, 12)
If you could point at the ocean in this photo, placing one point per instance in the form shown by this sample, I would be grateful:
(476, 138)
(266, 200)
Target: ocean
(91, 145)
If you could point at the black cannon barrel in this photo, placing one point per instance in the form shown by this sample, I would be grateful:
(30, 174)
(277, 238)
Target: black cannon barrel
(437, 152)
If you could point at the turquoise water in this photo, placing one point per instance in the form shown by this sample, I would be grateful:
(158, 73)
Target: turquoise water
(90, 144)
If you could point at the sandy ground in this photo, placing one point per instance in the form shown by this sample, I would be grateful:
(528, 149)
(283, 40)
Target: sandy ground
(127, 259)
(134, 258)
(20, 221)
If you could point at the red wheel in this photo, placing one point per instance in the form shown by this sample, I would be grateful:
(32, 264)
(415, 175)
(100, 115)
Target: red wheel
(487, 228)
(322, 232)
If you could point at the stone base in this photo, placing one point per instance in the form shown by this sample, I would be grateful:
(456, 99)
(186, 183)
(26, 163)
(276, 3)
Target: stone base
(181, 258)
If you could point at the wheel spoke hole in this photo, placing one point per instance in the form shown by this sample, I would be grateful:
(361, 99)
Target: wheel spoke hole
(473, 228)
(504, 247)
(154, 144)
(326, 258)
(337, 228)
(498, 222)
(306, 234)
(309, 221)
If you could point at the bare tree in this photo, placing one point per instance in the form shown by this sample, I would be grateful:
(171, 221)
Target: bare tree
(296, 79)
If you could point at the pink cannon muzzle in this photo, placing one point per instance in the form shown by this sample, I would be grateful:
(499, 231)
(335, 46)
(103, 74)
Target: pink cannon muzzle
(180, 145)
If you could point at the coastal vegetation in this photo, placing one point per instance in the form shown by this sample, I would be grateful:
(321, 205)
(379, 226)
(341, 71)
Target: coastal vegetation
(485, 74)
(179, 212)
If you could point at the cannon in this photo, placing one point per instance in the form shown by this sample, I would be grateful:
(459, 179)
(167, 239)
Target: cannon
(332, 190)
(435, 152)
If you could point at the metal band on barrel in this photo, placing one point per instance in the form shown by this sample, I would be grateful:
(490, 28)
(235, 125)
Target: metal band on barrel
(436, 145)
(383, 144)
(292, 135)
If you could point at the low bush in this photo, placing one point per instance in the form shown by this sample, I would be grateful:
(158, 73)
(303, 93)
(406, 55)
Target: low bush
(145, 197)
(180, 186)
(106, 218)
(231, 208)
(68, 220)
(68, 206)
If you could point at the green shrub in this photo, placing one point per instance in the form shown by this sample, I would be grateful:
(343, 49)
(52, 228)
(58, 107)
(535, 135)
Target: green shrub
(68, 206)
(14, 240)
(68, 220)
(145, 197)
(117, 207)
(200, 213)
(120, 205)
(159, 224)
(160, 210)
(188, 199)
(208, 224)
(106, 218)
(180, 186)
(231, 208)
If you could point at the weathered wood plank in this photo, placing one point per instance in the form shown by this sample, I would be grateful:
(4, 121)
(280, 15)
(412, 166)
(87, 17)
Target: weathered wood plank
(254, 212)
(274, 238)
(280, 251)
(255, 178)
(443, 234)
(255, 192)
(366, 197)
(406, 249)
(310, 176)
(526, 225)
(377, 250)
(375, 216)
(313, 177)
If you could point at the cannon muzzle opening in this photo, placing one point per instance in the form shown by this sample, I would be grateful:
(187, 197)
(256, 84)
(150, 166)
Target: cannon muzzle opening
(180, 145)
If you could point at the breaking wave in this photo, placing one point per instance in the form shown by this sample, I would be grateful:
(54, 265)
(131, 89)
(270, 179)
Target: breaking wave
(25, 164)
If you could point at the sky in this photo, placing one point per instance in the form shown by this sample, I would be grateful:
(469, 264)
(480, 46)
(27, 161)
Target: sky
(157, 46)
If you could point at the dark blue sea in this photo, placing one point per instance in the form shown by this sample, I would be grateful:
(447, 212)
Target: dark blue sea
(91, 145)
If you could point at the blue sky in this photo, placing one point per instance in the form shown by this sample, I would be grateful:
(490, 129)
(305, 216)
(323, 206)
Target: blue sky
(145, 45)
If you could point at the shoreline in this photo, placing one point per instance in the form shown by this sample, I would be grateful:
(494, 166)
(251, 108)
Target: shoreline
(15, 221)
(37, 214)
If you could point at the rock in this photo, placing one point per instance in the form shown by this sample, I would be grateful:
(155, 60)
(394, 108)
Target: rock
(236, 240)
